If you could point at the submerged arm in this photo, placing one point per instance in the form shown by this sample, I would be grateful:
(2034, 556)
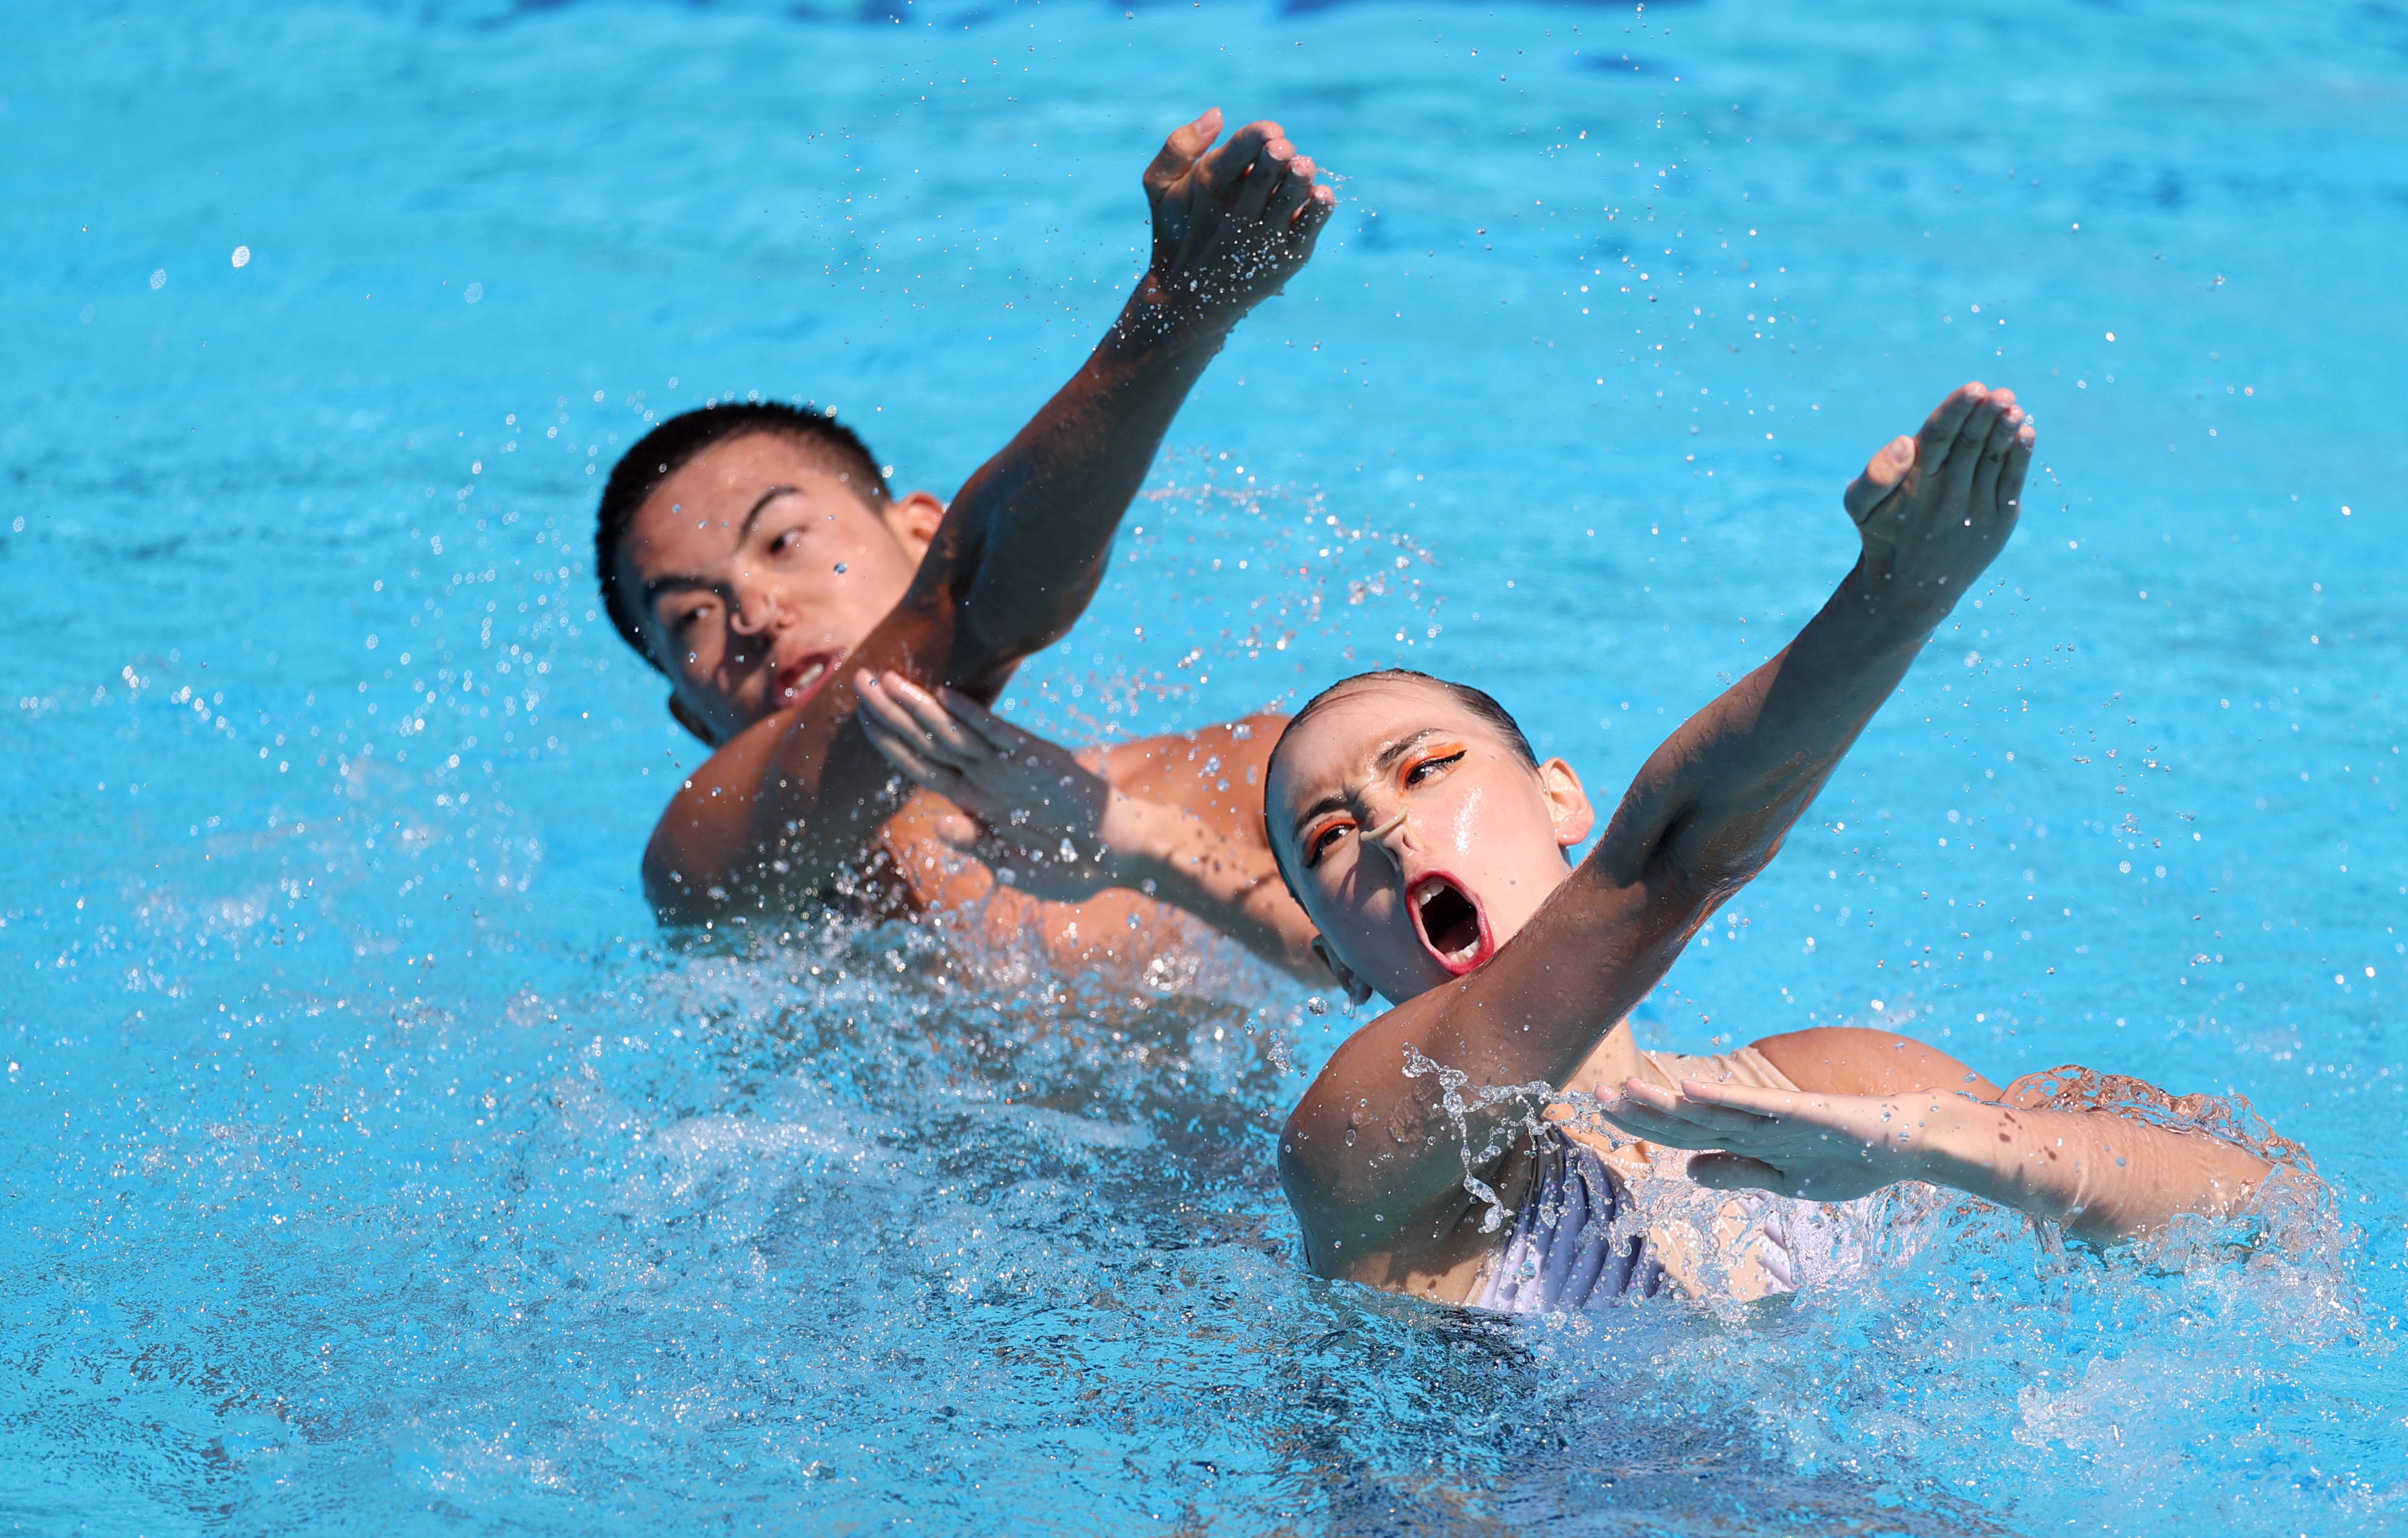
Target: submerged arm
(1706, 812)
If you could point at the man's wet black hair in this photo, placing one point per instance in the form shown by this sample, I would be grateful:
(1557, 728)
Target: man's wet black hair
(1479, 702)
(669, 447)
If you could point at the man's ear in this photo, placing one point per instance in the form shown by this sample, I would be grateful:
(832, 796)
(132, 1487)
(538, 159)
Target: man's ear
(1358, 992)
(691, 722)
(1567, 804)
(913, 518)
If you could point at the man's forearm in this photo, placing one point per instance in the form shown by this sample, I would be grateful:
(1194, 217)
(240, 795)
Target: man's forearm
(1036, 522)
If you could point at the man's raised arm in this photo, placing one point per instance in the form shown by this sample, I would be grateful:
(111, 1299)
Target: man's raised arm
(1025, 544)
(800, 795)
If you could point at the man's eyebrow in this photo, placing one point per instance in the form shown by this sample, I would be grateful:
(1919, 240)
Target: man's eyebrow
(744, 530)
(655, 586)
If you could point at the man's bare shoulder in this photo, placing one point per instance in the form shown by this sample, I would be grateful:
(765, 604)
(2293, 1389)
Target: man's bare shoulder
(707, 835)
(1214, 771)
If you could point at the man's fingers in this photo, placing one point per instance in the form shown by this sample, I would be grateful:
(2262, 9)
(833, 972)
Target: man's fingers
(1972, 438)
(1295, 188)
(1315, 213)
(1179, 150)
(902, 755)
(1260, 188)
(1884, 473)
(942, 737)
(1994, 460)
(966, 834)
(880, 710)
(1224, 168)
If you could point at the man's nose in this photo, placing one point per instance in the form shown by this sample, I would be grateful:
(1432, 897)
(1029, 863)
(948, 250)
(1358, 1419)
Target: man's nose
(756, 611)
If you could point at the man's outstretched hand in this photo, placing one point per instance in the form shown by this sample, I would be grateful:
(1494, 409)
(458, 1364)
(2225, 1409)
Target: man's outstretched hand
(1934, 510)
(1231, 224)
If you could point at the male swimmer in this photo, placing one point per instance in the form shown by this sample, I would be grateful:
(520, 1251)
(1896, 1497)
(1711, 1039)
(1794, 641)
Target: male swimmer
(1425, 841)
(749, 552)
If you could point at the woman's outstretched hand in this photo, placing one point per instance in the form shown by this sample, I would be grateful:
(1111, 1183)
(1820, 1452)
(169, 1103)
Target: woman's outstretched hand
(1815, 1148)
(2096, 1171)
(1040, 814)
(1935, 508)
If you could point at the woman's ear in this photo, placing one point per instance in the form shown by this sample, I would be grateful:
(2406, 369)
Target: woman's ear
(1358, 992)
(1567, 804)
(913, 518)
(691, 722)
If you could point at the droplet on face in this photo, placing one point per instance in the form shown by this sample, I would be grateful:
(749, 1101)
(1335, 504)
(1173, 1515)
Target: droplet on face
(839, 568)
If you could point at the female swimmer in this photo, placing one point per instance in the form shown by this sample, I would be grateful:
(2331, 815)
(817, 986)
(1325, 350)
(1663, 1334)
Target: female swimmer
(1439, 1153)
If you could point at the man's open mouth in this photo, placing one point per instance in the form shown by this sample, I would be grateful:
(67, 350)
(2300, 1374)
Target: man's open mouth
(801, 679)
(1450, 923)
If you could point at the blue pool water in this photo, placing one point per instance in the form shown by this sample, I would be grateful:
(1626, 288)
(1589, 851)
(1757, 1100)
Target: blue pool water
(373, 1166)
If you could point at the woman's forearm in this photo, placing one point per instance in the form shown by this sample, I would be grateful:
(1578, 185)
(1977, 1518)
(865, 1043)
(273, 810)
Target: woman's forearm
(2096, 1171)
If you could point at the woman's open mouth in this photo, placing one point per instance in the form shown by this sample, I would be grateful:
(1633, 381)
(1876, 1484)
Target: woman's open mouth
(1450, 923)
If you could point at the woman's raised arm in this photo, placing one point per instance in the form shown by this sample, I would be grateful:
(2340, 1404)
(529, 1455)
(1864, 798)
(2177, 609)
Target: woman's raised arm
(1371, 1152)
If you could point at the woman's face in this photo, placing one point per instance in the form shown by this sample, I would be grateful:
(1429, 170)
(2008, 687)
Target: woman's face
(1418, 840)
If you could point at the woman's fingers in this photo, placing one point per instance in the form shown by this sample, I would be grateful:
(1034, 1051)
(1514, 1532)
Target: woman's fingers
(1884, 473)
(997, 733)
(903, 754)
(914, 714)
(1724, 1172)
(1994, 459)
(946, 737)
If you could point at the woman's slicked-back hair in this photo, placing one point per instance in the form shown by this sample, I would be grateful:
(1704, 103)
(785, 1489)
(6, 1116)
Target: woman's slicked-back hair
(1478, 701)
(669, 447)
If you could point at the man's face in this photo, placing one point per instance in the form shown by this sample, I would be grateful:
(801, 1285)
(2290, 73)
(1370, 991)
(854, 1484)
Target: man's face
(756, 570)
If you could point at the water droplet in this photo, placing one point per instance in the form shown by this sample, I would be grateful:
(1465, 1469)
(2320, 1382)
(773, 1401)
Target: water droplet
(839, 568)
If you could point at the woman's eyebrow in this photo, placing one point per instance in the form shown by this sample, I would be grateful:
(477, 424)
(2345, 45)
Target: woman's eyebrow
(1389, 755)
(1334, 802)
(1383, 761)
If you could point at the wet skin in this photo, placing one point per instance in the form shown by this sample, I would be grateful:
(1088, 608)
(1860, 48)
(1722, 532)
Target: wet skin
(1394, 784)
(761, 575)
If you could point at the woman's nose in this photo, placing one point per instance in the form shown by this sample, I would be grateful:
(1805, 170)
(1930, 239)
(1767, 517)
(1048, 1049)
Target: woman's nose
(1390, 836)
